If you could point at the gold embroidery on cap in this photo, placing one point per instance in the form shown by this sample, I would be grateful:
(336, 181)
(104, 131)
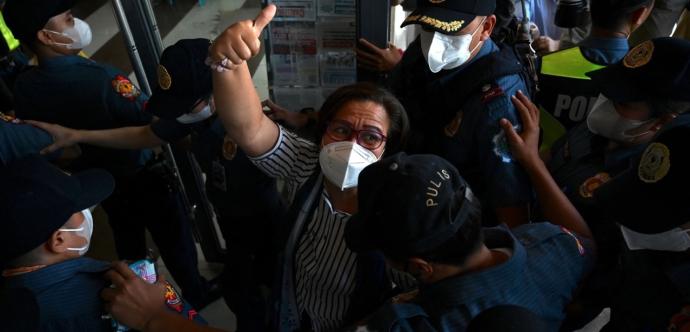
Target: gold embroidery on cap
(655, 163)
(437, 1)
(639, 55)
(451, 26)
(164, 79)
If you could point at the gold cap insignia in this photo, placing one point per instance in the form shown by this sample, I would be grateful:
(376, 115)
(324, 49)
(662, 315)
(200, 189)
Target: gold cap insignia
(655, 163)
(437, 1)
(452, 26)
(164, 79)
(590, 185)
(639, 55)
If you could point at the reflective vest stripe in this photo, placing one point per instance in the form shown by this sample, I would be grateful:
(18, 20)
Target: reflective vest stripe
(568, 63)
(12, 43)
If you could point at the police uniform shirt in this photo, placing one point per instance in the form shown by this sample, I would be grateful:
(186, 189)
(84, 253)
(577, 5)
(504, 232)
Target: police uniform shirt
(566, 92)
(79, 93)
(19, 139)
(465, 131)
(545, 267)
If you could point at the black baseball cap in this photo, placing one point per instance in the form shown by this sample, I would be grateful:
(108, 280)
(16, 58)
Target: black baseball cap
(655, 69)
(408, 205)
(449, 16)
(26, 17)
(648, 197)
(183, 79)
(37, 198)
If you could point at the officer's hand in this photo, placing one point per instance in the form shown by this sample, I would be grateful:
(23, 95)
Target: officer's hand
(524, 146)
(131, 300)
(375, 59)
(545, 45)
(62, 137)
(278, 113)
(240, 42)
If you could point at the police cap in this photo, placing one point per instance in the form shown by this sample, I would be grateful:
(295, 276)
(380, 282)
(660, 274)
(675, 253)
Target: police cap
(183, 79)
(408, 205)
(37, 198)
(26, 17)
(655, 69)
(449, 16)
(649, 197)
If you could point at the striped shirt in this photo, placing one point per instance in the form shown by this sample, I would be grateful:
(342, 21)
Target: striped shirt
(324, 267)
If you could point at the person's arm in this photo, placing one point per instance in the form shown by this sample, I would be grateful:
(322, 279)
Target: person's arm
(525, 149)
(237, 102)
(140, 305)
(118, 138)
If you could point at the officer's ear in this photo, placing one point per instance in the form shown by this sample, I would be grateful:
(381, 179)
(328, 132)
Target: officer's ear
(639, 16)
(44, 37)
(420, 268)
(488, 28)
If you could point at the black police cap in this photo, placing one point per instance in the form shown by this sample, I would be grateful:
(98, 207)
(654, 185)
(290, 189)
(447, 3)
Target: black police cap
(657, 69)
(649, 197)
(183, 78)
(37, 198)
(449, 16)
(26, 17)
(408, 205)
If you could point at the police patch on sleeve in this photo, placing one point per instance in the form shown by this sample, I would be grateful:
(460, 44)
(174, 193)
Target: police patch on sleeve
(655, 163)
(640, 55)
(590, 185)
(124, 87)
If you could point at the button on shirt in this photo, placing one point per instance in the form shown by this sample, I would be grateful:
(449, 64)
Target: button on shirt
(546, 264)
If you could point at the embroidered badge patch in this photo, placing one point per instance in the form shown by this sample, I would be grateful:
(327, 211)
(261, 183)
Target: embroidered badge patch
(164, 79)
(172, 300)
(124, 87)
(640, 55)
(655, 163)
(229, 148)
(590, 185)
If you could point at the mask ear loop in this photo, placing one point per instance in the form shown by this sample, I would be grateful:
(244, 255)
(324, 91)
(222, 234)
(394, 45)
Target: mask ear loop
(61, 34)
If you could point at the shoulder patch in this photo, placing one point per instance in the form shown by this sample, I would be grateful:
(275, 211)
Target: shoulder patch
(580, 247)
(655, 163)
(124, 87)
(590, 185)
(491, 92)
(640, 55)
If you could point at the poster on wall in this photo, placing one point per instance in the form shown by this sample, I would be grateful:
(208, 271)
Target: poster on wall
(295, 10)
(293, 54)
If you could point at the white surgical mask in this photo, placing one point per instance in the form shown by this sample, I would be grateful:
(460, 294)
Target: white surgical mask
(80, 35)
(446, 52)
(341, 162)
(604, 120)
(189, 118)
(677, 240)
(85, 231)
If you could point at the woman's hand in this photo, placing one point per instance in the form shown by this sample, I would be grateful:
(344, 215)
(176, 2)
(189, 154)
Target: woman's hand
(524, 146)
(239, 42)
(278, 113)
(62, 137)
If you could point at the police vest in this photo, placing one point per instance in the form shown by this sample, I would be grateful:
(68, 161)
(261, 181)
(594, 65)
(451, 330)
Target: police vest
(566, 92)
(10, 43)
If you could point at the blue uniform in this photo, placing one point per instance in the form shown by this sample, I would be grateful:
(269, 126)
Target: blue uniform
(68, 294)
(546, 264)
(456, 113)
(19, 139)
(79, 93)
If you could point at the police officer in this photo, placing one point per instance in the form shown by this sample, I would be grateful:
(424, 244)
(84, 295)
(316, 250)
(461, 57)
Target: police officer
(455, 83)
(246, 200)
(565, 91)
(641, 94)
(71, 90)
(646, 201)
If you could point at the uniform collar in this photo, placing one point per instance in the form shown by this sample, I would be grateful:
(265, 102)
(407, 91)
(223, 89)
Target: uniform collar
(60, 61)
(477, 286)
(57, 273)
(603, 50)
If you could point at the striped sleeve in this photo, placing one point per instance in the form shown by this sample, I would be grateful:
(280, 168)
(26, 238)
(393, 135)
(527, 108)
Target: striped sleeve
(293, 159)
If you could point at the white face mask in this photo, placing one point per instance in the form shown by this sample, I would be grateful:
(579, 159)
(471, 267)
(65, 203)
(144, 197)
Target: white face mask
(677, 240)
(80, 35)
(446, 52)
(189, 118)
(341, 162)
(604, 120)
(85, 231)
